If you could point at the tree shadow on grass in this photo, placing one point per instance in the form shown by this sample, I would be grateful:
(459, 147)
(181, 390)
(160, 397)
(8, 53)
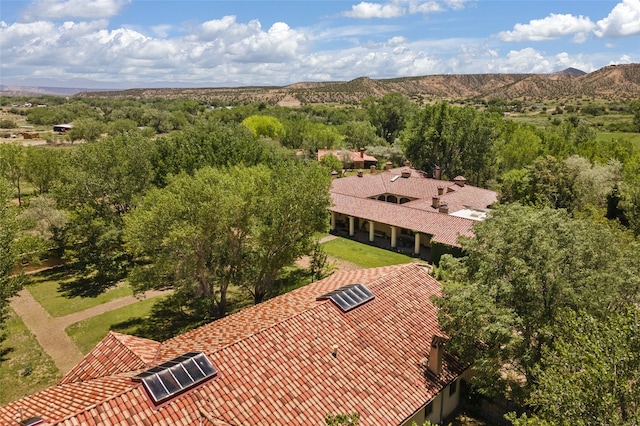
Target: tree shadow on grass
(83, 286)
(168, 319)
(4, 353)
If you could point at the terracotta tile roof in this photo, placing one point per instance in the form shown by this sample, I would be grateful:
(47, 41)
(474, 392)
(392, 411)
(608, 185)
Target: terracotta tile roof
(353, 196)
(236, 327)
(116, 353)
(282, 371)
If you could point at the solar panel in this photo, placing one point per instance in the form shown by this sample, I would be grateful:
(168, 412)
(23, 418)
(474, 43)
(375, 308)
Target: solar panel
(176, 376)
(349, 296)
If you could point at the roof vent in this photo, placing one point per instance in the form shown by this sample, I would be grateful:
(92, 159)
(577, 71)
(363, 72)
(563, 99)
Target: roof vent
(360, 173)
(349, 296)
(406, 173)
(176, 376)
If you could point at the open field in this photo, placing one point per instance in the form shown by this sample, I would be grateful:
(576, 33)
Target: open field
(25, 368)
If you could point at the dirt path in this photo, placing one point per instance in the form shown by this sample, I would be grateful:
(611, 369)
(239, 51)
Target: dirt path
(49, 331)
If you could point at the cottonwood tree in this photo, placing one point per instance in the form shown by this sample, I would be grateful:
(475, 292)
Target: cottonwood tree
(9, 250)
(389, 114)
(101, 182)
(43, 167)
(221, 227)
(13, 162)
(590, 374)
(459, 140)
(523, 268)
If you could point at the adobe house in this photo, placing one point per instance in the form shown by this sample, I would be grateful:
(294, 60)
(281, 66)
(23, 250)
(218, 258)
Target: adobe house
(341, 345)
(406, 210)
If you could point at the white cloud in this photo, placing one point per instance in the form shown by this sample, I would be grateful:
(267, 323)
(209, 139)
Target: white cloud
(84, 9)
(366, 10)
(398, 8)
(552, 27)
(623, 21)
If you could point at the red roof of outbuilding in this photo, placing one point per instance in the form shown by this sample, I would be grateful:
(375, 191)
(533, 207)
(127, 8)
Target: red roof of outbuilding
(275, 362)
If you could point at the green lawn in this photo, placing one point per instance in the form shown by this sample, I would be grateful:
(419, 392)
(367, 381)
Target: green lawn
(25, 367)
(46, 289)
(86, 334)
(363, 254)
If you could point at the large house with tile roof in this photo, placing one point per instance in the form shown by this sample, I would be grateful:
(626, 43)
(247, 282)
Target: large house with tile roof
(405, 208)
(364, 341)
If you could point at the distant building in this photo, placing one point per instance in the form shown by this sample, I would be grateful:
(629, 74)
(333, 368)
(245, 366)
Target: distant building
(353, 159)
(404, 209)
(62, 128)
(364, 341)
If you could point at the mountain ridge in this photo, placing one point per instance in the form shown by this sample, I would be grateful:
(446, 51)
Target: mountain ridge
(613, 82)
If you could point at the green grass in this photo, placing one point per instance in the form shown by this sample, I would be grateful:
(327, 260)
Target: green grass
(45, 288)
(633, 137)
(86, 334)
(363, 254)
(25, 367)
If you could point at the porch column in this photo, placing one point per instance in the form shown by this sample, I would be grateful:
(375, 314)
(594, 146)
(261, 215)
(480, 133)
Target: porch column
(333, 221)
(416, 248)
(372, 231)
(393, 236)
(351, 226)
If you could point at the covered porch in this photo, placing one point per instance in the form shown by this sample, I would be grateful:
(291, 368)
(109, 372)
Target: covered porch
(382, 235)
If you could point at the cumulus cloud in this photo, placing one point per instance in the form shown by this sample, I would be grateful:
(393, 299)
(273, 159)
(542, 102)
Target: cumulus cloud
(552, 27)
(623, 21)
(366, 10)
(397, 8)
(83, 9)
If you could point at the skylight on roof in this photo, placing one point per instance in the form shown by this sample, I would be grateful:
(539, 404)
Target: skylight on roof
(176, 376)
(349, 297)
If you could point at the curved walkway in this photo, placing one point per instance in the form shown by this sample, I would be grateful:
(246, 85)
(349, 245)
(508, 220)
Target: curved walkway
(49, 331)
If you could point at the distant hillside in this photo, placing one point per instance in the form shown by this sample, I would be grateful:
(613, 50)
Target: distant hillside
(38, 90)
(615, 82)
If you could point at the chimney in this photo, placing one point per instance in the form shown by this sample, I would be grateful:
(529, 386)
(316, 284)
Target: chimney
(440, 190)
(334, 174)
(436, 173)
(388, 165)
(407, 163)
(360, 173)
(334, 351)
(459, 180)
(372, 168)
(444, 208)
(435, 202)
(406, 173)
(361, 152)
(435, 354)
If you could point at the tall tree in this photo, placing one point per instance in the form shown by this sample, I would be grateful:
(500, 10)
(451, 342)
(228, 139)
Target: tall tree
(43, 167)
(238, 226)
(13, 162)
(522, 269)
(460, 141)
(389, 114)
(102, 182)
(590, 374)
(8, 254)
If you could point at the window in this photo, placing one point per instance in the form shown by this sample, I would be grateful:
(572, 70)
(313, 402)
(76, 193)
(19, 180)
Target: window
(428, 409)
(453, 387)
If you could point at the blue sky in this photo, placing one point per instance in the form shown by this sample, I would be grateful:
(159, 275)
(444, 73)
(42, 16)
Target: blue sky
(212, 43)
